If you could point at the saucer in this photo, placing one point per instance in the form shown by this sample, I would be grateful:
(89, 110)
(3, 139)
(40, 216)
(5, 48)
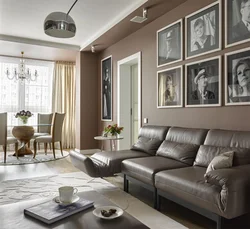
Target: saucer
(97, 212)
(58, 201)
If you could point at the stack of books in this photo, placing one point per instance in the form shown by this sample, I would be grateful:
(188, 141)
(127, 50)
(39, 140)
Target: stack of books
(50, 212)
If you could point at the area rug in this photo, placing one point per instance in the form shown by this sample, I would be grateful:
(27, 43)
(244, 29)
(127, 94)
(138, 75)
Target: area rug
(12, 191)
(28, 159)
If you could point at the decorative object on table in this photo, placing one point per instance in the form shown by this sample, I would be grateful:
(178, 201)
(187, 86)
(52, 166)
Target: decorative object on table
(22, 73)
(50, 212)
(203, 30)
(60, 24)
(23, 116)
(236, 22)
(113, 130)
(237, 77)
(169, 44)
(108, 212)
(203, 83)
(106, 89)
(169, 89)
(23, 134)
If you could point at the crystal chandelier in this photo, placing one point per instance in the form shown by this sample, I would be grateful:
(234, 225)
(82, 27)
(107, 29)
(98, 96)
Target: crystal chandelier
(22, 74)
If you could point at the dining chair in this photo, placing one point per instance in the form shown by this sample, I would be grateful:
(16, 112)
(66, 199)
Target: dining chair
(43, 129)
(55, 136)
(4, 140)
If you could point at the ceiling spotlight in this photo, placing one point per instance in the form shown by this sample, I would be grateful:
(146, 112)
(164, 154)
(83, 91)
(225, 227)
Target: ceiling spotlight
(139, 19)
(60, 24)
(92, 48)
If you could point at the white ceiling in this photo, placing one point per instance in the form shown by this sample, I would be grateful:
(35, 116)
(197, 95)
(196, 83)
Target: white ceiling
(22, 20)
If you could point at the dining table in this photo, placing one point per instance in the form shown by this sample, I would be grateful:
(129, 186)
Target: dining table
(24, 133)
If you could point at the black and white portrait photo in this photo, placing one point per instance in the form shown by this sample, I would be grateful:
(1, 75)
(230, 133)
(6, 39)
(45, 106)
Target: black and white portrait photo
(237, 78)
(203, 33)
(106, 89)
(237, 21)
(203, 83)
(169, 88)
(169, 44)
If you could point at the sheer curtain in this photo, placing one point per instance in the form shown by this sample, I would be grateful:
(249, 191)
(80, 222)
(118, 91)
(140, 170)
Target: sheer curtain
(63, 100)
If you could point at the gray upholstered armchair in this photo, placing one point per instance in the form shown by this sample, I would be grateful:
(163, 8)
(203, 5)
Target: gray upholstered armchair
(55, 136)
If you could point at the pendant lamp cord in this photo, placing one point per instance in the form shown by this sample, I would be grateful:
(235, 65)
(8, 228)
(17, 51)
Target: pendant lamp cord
(71, 7)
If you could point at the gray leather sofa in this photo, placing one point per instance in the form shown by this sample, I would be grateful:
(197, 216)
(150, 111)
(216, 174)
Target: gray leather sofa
(176, 169)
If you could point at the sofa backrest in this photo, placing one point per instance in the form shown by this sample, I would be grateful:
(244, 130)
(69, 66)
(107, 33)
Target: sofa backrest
(182, 144)
(220, 141)
(150, 138)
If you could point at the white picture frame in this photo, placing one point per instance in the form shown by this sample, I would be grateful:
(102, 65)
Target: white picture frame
(211, 96)
(235, 92)
(170, 35)
(170, 87)
(198, 43)
(106, 89)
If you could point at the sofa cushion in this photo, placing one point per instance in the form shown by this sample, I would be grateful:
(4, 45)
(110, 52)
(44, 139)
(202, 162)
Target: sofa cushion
(228, 138)
(143, 169)
(110, 162)
(149, 139)
(186, 135)
(147, 145)
(182, 152)
(224, 160)
(206, 154)
(188, 184)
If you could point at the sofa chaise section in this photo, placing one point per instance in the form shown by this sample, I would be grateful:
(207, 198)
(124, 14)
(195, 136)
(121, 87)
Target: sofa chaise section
(108, 163)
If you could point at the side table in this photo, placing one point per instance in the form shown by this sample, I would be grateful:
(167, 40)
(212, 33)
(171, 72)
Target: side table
(112, 140)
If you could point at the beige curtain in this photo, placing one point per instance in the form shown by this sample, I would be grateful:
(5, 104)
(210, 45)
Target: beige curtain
(63, 96)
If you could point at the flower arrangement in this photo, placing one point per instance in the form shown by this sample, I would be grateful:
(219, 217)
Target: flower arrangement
(23, 116)
(113, 130)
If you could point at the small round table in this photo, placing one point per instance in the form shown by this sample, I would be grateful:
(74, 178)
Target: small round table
(112, 140)
(23, 134)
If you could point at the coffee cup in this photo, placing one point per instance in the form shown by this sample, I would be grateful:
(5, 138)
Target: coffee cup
(66, 193)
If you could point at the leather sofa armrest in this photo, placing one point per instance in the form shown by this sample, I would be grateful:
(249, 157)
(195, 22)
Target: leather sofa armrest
(84, 163)
(235, 188)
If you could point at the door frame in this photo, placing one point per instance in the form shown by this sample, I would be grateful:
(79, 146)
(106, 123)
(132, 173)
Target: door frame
(136, 56)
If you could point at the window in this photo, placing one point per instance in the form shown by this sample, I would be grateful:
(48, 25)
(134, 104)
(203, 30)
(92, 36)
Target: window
(35, 96)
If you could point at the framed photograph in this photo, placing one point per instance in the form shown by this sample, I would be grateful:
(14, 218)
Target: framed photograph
(203, 83)
(169, 44)
(203, 31)
(237, 21)
(106, 88)
(237, 77)
(169, 88)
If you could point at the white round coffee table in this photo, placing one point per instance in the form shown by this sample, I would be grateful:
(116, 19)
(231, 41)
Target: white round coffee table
(112, 140)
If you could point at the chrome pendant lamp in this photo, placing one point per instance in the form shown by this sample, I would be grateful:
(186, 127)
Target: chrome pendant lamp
(60, 24)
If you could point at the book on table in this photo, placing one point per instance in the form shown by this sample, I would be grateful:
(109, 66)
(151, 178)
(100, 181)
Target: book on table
(50, 211)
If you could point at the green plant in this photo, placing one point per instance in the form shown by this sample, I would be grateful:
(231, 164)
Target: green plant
(113, 129)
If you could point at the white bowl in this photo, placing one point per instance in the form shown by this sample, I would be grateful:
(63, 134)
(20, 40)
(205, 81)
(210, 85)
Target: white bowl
(97, 212)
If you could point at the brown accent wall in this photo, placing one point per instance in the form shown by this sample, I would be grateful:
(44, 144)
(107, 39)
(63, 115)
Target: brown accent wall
(86, 100)
(144, 40)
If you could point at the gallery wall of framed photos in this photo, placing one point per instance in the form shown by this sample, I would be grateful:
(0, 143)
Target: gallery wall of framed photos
(166, 99)
(203, 35)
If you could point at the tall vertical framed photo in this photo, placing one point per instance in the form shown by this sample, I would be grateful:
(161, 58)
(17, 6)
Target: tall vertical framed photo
(169, 44)
(237, 22)
(237, 77)
(203, 83)
(203, 31)
(169, 88)
(106, 88)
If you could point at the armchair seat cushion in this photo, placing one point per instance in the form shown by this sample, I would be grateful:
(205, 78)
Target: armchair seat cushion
(45, 138)
(11, 140)
(39, 134)
(189, 184)
(144, 169)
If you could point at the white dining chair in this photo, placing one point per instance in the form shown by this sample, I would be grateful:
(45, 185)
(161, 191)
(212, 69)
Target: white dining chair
(55, 136)
(4, 140)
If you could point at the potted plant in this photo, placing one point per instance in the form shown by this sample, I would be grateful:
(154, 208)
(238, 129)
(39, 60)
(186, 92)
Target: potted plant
(113, 130)
(23, 116)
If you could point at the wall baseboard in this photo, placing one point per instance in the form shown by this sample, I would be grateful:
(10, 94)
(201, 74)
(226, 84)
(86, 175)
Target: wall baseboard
(87, 151)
